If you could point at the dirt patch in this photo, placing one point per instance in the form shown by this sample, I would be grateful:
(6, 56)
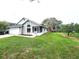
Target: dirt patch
(66, 36)
(74, 38)
(76, 46)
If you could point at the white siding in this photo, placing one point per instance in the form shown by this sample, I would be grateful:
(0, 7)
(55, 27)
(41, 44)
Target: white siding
(31, 25)
(14, 31)
(25, 28)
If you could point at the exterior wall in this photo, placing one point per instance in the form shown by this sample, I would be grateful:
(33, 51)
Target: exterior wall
(14, 31)
(31, 25)
(44, 30)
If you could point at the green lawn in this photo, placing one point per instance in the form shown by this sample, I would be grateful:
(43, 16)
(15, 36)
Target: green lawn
(47, 46)
(73, 34)
(76, 35)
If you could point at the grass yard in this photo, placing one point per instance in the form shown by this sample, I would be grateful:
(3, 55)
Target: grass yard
(76, 35)
(47, 46)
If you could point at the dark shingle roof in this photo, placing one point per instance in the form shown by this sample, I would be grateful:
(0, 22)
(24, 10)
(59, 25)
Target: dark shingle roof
(14, 25)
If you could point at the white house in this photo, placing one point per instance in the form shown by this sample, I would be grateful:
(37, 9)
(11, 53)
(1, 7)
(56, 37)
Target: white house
(27, 27)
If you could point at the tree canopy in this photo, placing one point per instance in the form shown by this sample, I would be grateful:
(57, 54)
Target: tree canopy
(3, 25)
(52, 24)
(70, 28)
(76, 27)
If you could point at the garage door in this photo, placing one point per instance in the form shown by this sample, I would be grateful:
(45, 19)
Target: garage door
(14, 31)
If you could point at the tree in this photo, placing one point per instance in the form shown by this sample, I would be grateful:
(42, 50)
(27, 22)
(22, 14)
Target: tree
(3, 25)
(76, 27)
(52, 24)
(69, 28)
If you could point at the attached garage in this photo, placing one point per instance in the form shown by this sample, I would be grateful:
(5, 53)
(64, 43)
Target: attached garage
(14, 31)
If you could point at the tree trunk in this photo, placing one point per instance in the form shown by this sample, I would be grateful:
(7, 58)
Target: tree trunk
(49, 29)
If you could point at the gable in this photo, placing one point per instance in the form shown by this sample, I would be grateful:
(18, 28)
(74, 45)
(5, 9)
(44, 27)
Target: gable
(25, 21)
(29, 22)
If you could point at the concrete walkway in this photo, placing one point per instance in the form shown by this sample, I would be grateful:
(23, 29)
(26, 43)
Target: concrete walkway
(26, 36)
(4, 36)
(8, 35)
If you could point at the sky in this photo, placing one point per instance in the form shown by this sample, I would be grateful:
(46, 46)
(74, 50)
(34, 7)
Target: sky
(65, 10)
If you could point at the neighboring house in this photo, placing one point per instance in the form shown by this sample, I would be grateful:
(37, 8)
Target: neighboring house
(26, 27)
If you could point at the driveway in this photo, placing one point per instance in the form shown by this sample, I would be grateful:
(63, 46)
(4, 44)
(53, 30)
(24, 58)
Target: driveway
(4, 36)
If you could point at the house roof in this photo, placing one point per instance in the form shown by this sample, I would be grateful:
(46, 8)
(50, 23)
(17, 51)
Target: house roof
(31, 22)
(22, 22)
(25, 20)
(14, 25)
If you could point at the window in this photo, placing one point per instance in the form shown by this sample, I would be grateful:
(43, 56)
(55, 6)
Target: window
(28, 25)
(40, 28)
(28, 30)
(35, 29)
